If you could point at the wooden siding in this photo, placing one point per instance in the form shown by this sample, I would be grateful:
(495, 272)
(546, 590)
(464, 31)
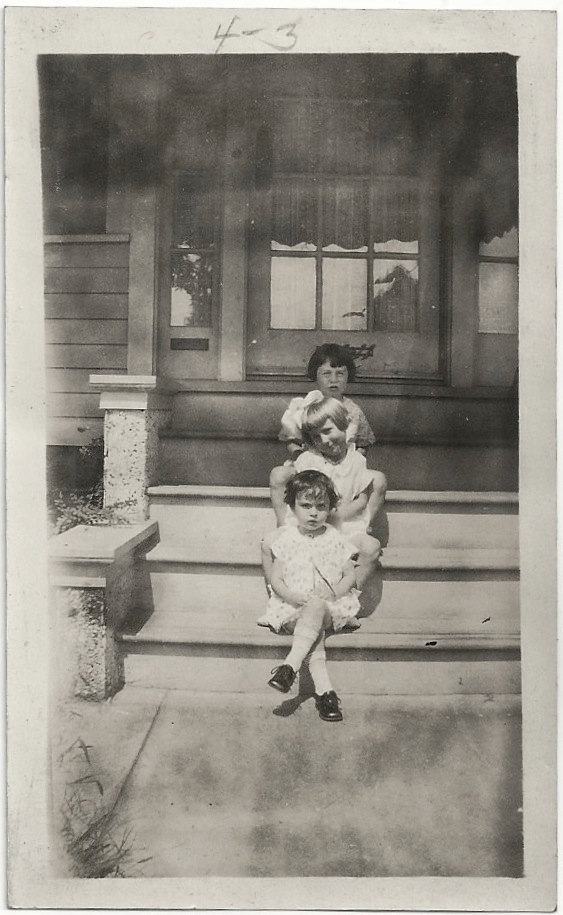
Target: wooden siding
(86, 304)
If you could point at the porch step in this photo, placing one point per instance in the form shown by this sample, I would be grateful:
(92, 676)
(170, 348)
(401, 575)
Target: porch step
(224, 669)
(219, 600)
(221, 519)
(395, 562)
(441, 616)
(247, 461)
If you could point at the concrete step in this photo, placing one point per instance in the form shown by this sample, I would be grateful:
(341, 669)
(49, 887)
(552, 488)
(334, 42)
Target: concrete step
(247, 461)
(207, 668)
(218, 519)
(406, 562)
(215, 600)
(436, 637)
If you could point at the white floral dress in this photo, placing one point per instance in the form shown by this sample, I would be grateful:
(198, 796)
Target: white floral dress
(311, 565)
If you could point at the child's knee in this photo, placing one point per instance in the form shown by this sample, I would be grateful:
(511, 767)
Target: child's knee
(369, 547)
(314, 610)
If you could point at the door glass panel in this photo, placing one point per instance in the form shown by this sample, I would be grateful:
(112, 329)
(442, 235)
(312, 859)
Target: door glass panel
(498, 298)
(395, 294)
(344, 294)
(191, 289)
(292, 293)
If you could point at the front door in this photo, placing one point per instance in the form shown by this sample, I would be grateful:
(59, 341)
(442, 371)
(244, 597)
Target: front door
(354, 261)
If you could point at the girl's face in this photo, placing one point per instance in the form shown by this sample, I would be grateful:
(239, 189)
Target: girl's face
(329, 440)
(332, 380)
(311, 511)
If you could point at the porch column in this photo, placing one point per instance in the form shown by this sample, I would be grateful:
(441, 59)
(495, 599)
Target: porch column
(133, 170)
(135, 412)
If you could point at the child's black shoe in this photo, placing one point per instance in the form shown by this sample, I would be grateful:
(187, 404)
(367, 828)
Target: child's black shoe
(328, 706)
(283, 679)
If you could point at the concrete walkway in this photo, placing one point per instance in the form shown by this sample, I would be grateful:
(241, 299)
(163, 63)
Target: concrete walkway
(256, 785)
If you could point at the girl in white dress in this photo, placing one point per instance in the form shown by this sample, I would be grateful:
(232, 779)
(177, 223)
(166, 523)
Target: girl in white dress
(324, 425)
(313, 579)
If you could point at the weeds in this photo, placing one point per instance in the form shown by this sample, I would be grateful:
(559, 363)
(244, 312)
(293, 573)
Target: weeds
(97, 845)
(67, 509)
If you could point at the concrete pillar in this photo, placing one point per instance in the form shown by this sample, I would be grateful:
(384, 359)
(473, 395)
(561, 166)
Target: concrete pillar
(135, 412)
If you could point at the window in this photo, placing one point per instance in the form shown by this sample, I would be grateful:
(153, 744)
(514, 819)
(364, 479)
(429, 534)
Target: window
(345, 254)
(498, 284)
(193, 256)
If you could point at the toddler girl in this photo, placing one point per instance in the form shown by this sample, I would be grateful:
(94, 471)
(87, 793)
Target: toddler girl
(332, 367)
(313, 580)
(324, 427)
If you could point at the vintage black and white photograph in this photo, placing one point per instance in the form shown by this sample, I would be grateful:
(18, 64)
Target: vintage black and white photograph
(281, 305)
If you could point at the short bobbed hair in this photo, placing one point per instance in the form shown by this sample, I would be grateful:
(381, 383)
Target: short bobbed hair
(316, 415)
(336, 356)
(312, 481)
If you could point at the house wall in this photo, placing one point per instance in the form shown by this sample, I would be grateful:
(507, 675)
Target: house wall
(106, 295)
(86, 302)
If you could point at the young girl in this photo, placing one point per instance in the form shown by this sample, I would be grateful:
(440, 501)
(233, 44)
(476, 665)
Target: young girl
(313, 580)
(324, 428)
(332, 367)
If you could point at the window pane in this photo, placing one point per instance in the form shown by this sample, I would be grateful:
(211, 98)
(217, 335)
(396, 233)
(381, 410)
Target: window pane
(498, 298)
(190, 299)
(395, 217)
(194, 215)
(344, 294)
(503, 246)
(292, 294)
(345, 217)
(294, 217)
(395, 294)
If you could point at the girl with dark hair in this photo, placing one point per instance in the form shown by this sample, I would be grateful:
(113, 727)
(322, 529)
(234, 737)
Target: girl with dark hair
(313, 586)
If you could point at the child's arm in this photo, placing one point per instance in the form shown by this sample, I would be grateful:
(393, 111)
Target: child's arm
(347, 582)
(280, 587)
(347, 511)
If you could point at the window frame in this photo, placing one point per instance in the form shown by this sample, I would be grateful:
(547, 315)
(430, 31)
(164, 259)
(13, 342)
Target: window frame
(213, 250)
(321, 181)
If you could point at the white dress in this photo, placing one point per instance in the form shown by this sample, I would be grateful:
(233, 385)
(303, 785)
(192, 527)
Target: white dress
(311, 565)
(350, 477)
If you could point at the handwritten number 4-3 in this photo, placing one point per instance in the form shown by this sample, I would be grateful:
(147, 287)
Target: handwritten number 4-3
(283, 37)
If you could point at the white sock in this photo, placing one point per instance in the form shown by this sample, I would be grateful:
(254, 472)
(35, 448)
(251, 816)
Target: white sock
(318, 668)
(303, 637)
